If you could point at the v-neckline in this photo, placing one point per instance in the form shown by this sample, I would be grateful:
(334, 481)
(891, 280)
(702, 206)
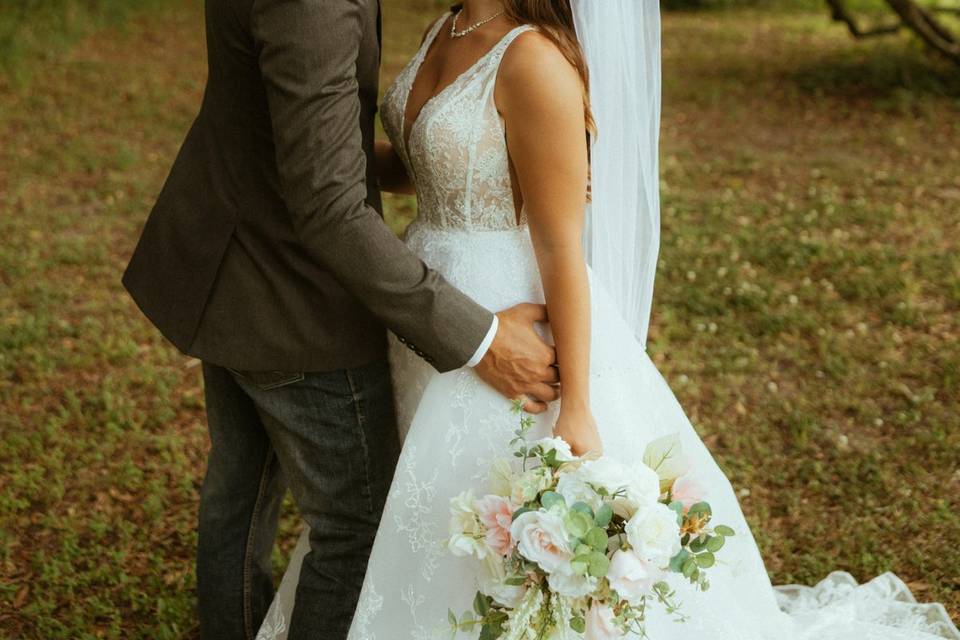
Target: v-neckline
(407, 125)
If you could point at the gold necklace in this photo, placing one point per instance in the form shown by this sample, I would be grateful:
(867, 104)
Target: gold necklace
(459, 34)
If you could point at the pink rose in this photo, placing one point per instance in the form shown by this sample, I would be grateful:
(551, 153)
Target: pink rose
(542, 538)
(496, 515)
(631, 576)
(687, 490)
(600, 624)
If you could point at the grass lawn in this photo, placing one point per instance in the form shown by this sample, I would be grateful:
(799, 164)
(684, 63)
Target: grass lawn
(806, 311)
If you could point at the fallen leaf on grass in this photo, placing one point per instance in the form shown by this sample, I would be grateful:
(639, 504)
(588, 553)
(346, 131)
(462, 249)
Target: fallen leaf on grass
(21, 598)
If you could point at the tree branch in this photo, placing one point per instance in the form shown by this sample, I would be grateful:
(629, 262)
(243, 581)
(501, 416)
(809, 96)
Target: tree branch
(842, 14)
(931, 30)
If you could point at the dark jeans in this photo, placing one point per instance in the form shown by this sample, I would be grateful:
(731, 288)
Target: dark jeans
(330, 437)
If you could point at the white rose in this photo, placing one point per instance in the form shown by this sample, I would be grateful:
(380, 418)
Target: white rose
(654, 534)
(526, 487)
(564, 453)
(665, 456)
(568, 584)
(493, 576)
(466, 532)
(574, 489)
(541, 538)
(601, 624)
(640, 485)
(631, 576)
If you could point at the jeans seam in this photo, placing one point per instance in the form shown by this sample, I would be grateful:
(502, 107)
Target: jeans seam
(298, 377)
(247, 577)
(361, 421)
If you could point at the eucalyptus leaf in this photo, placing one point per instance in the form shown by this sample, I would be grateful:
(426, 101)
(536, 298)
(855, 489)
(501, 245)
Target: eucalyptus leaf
(715, 543)
(597, 538)
(550, 499)
(580, 566)
(701, 508)
(705, 560)
(578, 523)
(677, 561)
(550, 459)
(490, 632)
(724, 530)
(689, 567)
(604, 516)
(481, 604)
(584, 508)
(578, 624)
(599, 564)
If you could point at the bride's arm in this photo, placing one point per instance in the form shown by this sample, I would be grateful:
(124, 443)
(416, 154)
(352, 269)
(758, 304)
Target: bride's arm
(391, 173)
(540, 96)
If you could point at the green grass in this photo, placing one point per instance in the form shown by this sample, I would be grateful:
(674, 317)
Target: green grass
(806, 310)
(35, 32)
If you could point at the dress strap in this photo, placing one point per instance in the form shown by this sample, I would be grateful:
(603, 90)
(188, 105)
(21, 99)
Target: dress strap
(492, 66)
(501, 47)
(430, 37)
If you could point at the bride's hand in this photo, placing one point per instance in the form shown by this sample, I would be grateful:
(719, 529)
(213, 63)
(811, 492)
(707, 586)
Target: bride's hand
(579, 429)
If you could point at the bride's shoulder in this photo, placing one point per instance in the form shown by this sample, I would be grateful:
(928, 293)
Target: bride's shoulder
(533, 63)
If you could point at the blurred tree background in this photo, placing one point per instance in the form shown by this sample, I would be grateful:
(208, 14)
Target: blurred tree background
(932, 21)
(38, 28)
(807, 310)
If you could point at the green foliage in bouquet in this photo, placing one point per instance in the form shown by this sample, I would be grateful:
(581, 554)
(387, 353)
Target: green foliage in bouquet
(568, 544)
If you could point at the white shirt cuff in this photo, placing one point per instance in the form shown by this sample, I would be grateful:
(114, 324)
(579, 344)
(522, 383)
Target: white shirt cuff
(485, 345)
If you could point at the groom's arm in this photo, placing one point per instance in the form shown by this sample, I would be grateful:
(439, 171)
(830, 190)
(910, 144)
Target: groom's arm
(307, 54)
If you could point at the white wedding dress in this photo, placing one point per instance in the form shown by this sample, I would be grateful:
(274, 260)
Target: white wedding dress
(455, 425)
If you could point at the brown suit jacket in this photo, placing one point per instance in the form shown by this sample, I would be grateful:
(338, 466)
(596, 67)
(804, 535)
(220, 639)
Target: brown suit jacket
(266, 249)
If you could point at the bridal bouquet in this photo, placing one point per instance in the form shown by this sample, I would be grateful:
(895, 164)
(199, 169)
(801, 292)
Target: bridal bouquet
(566, 544)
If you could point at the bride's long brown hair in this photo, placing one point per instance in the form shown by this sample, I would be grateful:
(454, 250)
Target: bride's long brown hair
(554, 19)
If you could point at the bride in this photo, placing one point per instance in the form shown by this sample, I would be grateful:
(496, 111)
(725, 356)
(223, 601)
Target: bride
(489, 125)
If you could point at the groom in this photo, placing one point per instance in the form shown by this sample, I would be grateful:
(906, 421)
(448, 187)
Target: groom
(266, 257)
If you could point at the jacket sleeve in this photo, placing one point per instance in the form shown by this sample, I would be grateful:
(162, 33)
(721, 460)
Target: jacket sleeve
(307, 52)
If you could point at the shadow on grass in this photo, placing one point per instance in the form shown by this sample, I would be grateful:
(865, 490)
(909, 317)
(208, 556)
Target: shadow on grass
(898, 72)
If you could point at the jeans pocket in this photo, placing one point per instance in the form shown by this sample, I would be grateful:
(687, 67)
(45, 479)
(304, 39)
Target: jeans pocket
(267, 380)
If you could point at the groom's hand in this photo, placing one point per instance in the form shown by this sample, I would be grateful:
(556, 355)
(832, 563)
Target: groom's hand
(519, 364)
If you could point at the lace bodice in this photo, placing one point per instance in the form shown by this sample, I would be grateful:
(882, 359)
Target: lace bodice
(455, 150)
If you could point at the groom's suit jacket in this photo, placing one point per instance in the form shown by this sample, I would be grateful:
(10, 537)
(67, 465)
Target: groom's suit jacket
(266, 250)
